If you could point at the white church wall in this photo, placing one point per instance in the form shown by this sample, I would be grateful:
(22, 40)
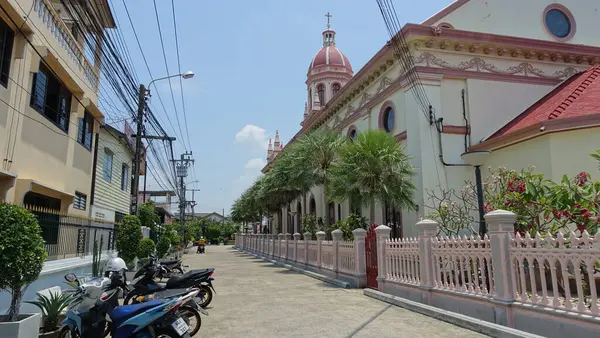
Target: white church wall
(524, 18)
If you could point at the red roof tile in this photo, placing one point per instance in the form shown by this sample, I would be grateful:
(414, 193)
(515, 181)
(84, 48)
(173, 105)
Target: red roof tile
(577, 96)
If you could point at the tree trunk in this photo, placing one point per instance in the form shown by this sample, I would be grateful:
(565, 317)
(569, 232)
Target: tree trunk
(15, 304)
(372, 212)
(326, 203)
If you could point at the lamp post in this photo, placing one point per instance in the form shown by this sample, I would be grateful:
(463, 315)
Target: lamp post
(143, 92)
(477, 159)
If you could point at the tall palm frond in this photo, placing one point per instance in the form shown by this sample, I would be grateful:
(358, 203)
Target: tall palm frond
(374, 168)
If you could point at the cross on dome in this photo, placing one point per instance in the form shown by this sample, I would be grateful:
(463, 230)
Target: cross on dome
(328, 15)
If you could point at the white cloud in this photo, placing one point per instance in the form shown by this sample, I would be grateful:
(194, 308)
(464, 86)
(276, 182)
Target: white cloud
(253, 136)
(256, 163)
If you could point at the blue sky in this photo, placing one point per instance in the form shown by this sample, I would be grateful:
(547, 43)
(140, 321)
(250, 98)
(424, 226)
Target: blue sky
(250, 59)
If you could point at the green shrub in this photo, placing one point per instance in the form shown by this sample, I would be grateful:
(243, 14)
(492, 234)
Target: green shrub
(309, 224)
(163, 245)
(22, 253)
(146, 248)
(129, 235)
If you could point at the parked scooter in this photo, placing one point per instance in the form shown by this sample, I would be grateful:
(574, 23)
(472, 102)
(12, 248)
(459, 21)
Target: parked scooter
(86, 317)
(144, 283)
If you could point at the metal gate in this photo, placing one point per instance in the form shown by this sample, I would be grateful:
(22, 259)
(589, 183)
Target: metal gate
(371, 255)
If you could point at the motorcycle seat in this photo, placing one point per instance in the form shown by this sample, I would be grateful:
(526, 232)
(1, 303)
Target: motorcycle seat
(122, 313)
(169, 262)
(188, 279)
(172, 293)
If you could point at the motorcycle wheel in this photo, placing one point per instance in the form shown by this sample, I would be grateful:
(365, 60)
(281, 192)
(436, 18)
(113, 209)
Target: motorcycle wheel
(188, 314)
(107, 329)
(67, 333)
(205, 296)
(130, 298)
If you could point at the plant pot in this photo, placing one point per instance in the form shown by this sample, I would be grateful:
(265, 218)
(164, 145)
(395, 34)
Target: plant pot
(26, 326)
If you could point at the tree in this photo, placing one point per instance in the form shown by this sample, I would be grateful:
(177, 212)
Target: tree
(129, 235)
(148, 217)
(314, 156)
(163, 245)
(376, 168)
(145, 248)
(22, 253)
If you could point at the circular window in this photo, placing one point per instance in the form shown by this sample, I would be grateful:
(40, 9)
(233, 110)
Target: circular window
(558, 23)
(388, 119)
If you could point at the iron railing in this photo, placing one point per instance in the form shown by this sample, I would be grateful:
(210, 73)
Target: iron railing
(68, 236)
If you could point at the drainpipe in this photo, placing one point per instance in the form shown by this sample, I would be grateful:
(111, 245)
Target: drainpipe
(95, 166)
(464, 109)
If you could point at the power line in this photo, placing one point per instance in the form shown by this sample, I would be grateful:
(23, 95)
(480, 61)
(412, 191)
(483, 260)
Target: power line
(162, 44)
(180, 79)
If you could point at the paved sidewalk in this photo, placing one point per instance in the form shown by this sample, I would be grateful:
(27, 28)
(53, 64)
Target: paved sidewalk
(257, 299)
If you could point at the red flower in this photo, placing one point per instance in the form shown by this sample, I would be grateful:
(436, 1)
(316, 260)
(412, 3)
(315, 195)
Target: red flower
(557, 214)
(582, 178)
(581, 227)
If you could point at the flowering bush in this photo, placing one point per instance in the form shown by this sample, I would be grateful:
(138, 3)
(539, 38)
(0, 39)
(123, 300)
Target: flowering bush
(540, 205)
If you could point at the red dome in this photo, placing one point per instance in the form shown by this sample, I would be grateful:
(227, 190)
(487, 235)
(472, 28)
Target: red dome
(330, 56)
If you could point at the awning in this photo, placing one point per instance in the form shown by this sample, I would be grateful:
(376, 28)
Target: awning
(7, 174)
(92, 108)
(63, 73)
(43, 189)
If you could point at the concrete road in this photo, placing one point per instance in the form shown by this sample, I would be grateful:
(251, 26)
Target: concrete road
(257, 299)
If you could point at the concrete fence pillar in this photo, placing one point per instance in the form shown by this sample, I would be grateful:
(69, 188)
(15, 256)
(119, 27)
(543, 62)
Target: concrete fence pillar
(427, 229)
(361, 256)
(337, 236)
(280, 238)
(383, 234)
(288, 239)
(320, 238)
(307, 239)
(501, 225)
(297, 237)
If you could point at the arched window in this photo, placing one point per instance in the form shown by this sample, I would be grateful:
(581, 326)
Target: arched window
(352, 133)
(312, 206)
(335, 88)
(310, 98)
(387, 118)
(321, 92)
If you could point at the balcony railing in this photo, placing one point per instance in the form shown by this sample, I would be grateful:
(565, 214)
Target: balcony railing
(63, 35)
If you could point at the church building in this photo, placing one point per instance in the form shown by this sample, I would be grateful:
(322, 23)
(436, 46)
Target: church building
(518, 79)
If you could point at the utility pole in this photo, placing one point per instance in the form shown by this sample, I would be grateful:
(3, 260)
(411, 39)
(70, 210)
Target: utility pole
(135, 187)
(192, 203)
(181, 168)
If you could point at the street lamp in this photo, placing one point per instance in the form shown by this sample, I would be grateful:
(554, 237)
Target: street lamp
(477, 159)
(187, 75)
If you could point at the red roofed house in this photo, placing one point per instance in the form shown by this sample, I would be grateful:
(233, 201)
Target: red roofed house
(556, 134)
(509, 76)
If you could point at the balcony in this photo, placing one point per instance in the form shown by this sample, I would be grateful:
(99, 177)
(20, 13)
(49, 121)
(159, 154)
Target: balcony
(51, 20)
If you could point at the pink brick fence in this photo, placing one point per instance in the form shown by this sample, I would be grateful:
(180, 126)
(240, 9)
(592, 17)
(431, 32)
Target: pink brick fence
(545, 285)
(340, 259)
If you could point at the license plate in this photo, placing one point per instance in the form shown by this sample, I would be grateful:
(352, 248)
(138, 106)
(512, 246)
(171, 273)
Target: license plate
(180, 326)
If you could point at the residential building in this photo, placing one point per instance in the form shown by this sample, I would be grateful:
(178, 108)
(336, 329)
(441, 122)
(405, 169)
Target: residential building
(49, 115)
(213, 216)
(113, 158)
(481, 66)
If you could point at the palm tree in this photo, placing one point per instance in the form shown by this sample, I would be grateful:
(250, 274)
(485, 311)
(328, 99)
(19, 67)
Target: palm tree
(373, 168)
(313, 157)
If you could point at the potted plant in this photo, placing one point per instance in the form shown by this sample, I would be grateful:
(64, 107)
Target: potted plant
(22, 257)
(52, 308)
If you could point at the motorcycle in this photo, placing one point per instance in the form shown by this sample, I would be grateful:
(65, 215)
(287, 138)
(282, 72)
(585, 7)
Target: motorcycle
(143, 283)
(86, 316)
(170, 268)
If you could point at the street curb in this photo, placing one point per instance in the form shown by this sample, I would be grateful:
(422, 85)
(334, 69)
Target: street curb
(309, 273)
(473, 324)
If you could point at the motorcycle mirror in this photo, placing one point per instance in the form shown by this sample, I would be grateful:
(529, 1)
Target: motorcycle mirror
(71, 278)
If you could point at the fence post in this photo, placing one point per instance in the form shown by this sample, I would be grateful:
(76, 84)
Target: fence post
(307, 239)
(426, 229)
(320, 238)
(297, 237)
(336, 235)
(383, 233)
(361, 256)
(279, 239)
(288, 238)
(500, 227)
